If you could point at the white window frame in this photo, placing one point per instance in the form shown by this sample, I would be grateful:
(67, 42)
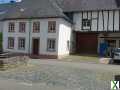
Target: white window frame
(22, 27)
(11, 27)
(51, 44)
(21, 43)
(86, 22)
(51, 26)
(11, 42)
(36, 27)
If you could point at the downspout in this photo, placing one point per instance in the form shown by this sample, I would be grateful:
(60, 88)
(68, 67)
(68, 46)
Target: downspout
(29, 50)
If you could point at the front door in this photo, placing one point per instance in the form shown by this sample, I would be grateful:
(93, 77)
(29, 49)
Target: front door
(35, 46)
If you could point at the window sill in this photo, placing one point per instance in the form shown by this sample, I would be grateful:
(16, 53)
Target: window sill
(22, 49)
(11, 32)
(22, 32)
(10, 48)
(51, 50)
(36, 32)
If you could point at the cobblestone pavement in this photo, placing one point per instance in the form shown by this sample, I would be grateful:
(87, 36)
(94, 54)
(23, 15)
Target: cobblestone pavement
(55, 75)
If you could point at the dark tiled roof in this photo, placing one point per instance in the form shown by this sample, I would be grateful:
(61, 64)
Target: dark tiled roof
(4, 8)
(81, 5)
(35, 9)
(54, 8)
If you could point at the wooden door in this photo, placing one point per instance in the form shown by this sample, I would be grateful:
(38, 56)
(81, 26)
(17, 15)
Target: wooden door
(35, 46)
(86, 43)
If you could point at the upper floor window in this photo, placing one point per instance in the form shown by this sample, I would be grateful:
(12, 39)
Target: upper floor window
(21, 43)
(11, 27)
(22, 26)
(36, 27)
(86, 22)
(52, 26)
(10, 42)
(51, 45)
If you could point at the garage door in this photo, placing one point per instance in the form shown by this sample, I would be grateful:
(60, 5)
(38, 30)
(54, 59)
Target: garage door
(86, 43)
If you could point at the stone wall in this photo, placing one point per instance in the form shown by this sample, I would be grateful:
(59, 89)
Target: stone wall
(15, 61)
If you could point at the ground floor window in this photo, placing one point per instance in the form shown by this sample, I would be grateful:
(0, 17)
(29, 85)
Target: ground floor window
(111, 43)
(51, 45)
(21, 43)
(10, 42)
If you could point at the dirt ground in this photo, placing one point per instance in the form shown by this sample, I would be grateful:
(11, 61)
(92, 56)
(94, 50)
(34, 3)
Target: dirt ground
(57, 75)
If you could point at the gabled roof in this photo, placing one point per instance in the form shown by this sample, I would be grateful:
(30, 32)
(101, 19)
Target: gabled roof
(4, 8)
(35, 9)
(82, 5)
(53, 8)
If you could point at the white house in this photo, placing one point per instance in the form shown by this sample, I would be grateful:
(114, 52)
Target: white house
(55, 28)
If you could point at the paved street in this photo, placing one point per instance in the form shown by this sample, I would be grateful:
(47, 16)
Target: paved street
(57, 75)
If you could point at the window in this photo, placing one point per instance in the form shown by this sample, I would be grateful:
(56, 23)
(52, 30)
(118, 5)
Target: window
(10, 42)
(51, 44)
(22, 26)
(36, 27)
(52, 26)
(21, 43)
(86, 22)
(11, 27)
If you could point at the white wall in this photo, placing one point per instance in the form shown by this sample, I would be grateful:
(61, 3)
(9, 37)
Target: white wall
(98, 19)
(16, 35)
(65, 35)
(43, 35)
(63, 31)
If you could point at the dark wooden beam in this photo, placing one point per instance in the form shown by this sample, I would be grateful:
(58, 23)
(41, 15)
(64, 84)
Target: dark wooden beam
(87, 15)
(108, 21)
(97, 20)
(113, 20)
(82, 22)
(119, 20)
(91, 20)
(103, 19)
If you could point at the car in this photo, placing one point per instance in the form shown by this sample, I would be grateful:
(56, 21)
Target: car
(115, 54)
